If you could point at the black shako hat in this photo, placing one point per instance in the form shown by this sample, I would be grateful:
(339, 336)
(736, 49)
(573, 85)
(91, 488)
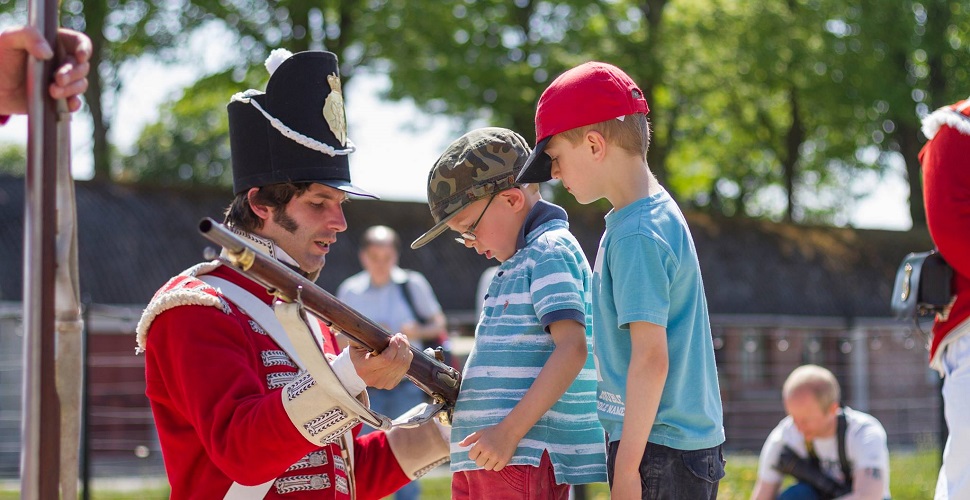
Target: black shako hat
(296, 131)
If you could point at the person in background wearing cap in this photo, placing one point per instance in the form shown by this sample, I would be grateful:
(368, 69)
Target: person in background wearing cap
(400, 300)
(236, 416)
(946, 190)
(526, 408)
(70, 78)
(658, 395)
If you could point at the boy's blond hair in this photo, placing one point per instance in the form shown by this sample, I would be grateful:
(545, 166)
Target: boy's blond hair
(818, 381)
(631, 134)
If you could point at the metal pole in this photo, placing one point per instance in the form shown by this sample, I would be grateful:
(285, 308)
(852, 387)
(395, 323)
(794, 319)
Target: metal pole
(85, 408)
(41, 408)
(859, 370)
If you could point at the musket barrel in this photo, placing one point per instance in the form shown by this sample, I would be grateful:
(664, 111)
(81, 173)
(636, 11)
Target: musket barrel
(221, 236)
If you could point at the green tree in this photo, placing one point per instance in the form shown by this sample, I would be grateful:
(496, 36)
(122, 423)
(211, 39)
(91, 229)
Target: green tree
(493, 58)
(766, 125)
(122, 31)
(189, 143)
(13, 159)
(758, 109)
(915, 57)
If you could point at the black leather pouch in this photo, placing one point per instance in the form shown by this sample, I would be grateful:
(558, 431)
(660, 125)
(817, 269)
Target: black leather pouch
(922, 285)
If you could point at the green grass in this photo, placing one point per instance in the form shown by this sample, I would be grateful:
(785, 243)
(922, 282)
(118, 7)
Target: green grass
(912, 475)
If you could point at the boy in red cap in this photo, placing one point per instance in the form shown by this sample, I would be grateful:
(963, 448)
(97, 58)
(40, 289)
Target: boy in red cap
(946, 190)
(657, 395)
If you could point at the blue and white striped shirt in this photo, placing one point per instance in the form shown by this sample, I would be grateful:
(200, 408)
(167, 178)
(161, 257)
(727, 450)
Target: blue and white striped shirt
(548, 279)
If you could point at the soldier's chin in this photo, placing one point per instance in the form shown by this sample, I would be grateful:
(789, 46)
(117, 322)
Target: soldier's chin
(314, 267)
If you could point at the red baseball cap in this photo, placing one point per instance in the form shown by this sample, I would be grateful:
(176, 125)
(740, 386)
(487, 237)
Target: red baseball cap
(592, 92)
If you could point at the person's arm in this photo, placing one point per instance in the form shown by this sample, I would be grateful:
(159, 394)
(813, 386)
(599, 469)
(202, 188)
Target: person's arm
(70, 79)
(868, 452)
(425, 331)
(764, 490)
(769, 479)
(645, 383)
(426, 305)
(492, 448)
(867, 484)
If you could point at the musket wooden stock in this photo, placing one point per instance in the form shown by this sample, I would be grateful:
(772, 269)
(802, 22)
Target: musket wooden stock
(432, 376)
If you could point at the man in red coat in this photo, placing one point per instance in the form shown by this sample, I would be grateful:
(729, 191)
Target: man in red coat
(946, 188)
(237, 414)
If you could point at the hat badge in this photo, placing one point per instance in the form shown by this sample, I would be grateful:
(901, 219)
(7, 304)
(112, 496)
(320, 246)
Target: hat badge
(333, 110)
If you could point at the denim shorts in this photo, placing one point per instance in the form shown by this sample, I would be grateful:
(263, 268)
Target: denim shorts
(670, 474)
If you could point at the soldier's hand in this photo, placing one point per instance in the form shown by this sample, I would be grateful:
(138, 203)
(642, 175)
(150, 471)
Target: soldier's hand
(384, 370)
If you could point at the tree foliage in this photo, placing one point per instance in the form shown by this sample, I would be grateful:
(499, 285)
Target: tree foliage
(189, 143)
(13, 159)
(758, 108)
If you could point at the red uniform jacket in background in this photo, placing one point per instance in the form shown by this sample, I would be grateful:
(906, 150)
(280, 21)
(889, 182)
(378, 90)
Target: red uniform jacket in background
(946, 190)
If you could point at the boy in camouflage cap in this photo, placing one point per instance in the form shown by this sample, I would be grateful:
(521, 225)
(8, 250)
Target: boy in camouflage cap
(527, 398)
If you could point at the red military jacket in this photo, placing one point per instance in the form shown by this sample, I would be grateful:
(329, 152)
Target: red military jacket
(214, 379)
(946, 192)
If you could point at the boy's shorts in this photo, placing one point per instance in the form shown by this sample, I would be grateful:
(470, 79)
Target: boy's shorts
(670, 473)
(513, 481)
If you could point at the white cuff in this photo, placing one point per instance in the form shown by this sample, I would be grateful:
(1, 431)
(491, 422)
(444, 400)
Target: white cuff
(343, 366)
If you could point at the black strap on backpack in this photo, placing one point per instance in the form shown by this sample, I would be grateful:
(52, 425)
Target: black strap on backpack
(841, 427)
(438, 344)
(406, 289)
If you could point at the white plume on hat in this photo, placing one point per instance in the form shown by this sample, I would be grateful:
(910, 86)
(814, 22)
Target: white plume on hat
(276, 57)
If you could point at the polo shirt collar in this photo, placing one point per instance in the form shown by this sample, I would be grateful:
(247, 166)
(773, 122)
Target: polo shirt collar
(541, 212)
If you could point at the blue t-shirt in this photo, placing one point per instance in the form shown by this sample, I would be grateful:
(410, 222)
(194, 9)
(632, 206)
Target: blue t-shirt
(647, 270)
(546, 280)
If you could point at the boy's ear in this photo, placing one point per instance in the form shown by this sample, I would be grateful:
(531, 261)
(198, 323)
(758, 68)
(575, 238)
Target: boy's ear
(595, 143)
(515, 198)
(261, 211)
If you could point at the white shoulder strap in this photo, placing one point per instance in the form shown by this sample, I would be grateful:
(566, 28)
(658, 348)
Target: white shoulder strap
(259, 311)
(240, 492)
(264, 315)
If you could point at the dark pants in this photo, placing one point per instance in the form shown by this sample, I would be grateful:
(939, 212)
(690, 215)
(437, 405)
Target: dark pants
(670, 474)
(799, 491)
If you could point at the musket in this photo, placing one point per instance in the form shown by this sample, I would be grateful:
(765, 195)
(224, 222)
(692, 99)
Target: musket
(52, 320)
(431, 375)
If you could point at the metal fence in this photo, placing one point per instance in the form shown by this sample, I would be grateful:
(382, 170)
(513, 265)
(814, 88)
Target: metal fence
(881, 365)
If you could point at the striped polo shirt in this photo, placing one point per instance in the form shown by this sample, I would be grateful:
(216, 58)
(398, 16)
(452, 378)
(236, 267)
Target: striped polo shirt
(548, 279)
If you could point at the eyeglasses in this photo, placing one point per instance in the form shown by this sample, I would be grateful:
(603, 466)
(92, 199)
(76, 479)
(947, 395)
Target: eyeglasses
(469, 234)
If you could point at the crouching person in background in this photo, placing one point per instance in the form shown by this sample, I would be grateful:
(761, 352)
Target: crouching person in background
(832, 451)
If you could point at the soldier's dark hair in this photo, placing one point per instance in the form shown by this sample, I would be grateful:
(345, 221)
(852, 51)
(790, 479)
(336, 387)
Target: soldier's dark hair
(239, 214)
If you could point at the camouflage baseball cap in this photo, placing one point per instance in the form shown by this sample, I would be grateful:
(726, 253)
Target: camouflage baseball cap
(479, 164)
